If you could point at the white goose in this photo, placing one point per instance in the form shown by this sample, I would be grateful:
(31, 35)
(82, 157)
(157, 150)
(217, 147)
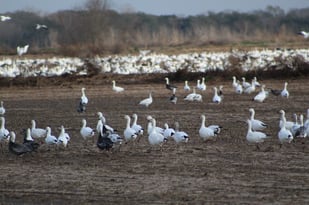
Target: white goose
(150, 126)
(256, 124)
(202, 85)
(234, 83)
(168, 132)
(254, 136)
(147, 101)
(257, 84)
(186, 86)
(284, 135)
(206, 133)
(216, 98)
(4, 133)
(180, 136)
(238, 88)
(173, 98)
(83, 98)
(285, 92)
(37, 132)
(190, 97)
(129, 133)
(261, 96)
(155, 138)
(63, 137)
(117, 89)
(102, 121)
(138, 128)
(288, 124)
(2, 109)
(250, 89)
(50, 139)
(198, 98)
(99, 123)
(245, 84)
(86, 132)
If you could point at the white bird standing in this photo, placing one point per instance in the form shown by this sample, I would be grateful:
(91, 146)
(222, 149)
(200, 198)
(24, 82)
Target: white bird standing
(64, 137)
(186, 86)
(256, 83)
(138, 128)
(117, 89)
(37, 132)
(234, 83)
(4, 133)
(216, 98)
(150, 126)
(245, 84)
(255, 136)
(180, 136)
(129, 133)
(206, 133)
(86, 132)
(102, 121)
(288, 124)
(284, 135)
(50, 139)
(256, 124)
(285, 92)
(147, 101)
(83, 98)
(168, 132)
(238, 88)
(155, 138)
(202, 85)
(261, 96)
(2, 109)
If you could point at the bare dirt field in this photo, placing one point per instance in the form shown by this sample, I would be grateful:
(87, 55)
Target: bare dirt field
(224, 171)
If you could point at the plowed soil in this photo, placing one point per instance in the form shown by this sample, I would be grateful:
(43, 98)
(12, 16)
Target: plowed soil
(225, 171)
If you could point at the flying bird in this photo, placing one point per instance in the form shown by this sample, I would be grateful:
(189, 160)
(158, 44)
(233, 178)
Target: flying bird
(304, 34)
(22, 50)
(5, 18)
(40, 26)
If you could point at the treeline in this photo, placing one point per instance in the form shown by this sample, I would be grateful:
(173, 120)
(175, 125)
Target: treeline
(97, 29)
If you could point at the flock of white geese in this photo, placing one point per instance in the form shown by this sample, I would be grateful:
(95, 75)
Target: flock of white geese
(108, 137)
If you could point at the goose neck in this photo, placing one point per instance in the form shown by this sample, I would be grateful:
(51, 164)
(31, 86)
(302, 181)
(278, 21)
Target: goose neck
(128, 121)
